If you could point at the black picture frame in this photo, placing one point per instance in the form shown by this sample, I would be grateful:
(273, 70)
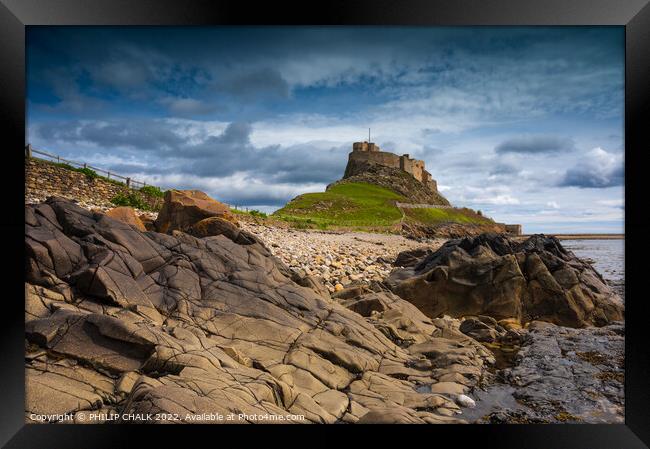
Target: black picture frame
(634, 15)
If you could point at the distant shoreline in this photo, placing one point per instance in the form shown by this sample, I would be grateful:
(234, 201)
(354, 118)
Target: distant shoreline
(586, 236)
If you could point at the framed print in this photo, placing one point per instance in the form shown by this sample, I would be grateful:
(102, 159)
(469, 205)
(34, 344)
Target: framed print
(359, 215)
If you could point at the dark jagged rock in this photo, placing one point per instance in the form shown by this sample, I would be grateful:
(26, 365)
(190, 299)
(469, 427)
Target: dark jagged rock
(120, 320)
(411, 257)
(494, 275)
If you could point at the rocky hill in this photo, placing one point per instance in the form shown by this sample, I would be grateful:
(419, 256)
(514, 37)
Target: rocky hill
(351, 205)
(394, 179)
(383, 192)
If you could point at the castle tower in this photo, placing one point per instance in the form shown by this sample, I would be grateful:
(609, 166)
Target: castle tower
(365, 146)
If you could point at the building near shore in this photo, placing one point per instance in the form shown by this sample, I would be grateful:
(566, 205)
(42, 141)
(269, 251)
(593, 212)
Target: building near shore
(513, 229)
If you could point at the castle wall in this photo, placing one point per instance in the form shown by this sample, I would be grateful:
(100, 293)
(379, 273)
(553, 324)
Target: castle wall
(369, 152)
(378, 157)
(418, 170)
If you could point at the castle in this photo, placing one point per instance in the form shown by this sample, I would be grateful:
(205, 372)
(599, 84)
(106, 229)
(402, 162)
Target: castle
(369, 152)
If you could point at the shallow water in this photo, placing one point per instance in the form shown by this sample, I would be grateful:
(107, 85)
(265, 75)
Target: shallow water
(608, 257)
(495, 397)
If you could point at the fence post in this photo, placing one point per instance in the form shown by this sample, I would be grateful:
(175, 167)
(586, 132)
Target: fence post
(108, 175)
(85, 165)
(28, 151)
(128, 183)
(58, 159)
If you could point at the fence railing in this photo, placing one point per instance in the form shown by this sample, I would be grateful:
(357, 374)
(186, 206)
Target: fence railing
(131, 183)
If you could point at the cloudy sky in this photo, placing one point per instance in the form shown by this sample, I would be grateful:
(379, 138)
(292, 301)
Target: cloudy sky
(525, 124)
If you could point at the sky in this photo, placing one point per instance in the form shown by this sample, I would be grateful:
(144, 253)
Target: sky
(522, 123)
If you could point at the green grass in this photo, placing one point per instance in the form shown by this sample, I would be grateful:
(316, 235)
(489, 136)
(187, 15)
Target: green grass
(438, 216)
(364, 206)
(154, 191)
(90, 174)
(252, 212)
(131, 199)
(355, 205)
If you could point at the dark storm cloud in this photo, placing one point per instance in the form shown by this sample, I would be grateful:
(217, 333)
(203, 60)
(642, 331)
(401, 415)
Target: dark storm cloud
(558, 70)
(251, 83)
(536, 145)
(138, 134)
(593, 177)
(598, 169)
(233, 152)
(124, 74)
(188, 107)
(220, 155)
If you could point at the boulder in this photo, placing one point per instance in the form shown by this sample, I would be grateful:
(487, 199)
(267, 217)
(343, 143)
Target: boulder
(184, 208)
(146, 322)
(499, 277)
(213, 226)
(411, 257)
(126, 215)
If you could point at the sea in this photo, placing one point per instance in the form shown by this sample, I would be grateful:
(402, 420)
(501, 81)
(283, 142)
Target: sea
(606, 256)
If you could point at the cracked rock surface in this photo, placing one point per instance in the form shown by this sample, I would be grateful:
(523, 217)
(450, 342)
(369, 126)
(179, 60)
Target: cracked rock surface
(122, 320)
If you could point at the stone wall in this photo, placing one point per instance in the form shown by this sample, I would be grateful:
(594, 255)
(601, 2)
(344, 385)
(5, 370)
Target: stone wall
(44, 179)
(512, 229)
(378, 157)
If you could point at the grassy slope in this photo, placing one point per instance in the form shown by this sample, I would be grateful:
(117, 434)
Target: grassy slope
(345, 205)
(438, 216)
(363, 206)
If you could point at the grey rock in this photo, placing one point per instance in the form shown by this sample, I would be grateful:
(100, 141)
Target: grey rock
(145, 322)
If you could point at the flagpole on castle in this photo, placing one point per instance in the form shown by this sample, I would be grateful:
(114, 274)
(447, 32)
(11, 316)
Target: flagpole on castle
(368, 135)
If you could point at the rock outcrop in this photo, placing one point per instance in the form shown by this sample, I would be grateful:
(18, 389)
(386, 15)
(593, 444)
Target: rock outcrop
(120, 320)
(496, 276)
(183, 208)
